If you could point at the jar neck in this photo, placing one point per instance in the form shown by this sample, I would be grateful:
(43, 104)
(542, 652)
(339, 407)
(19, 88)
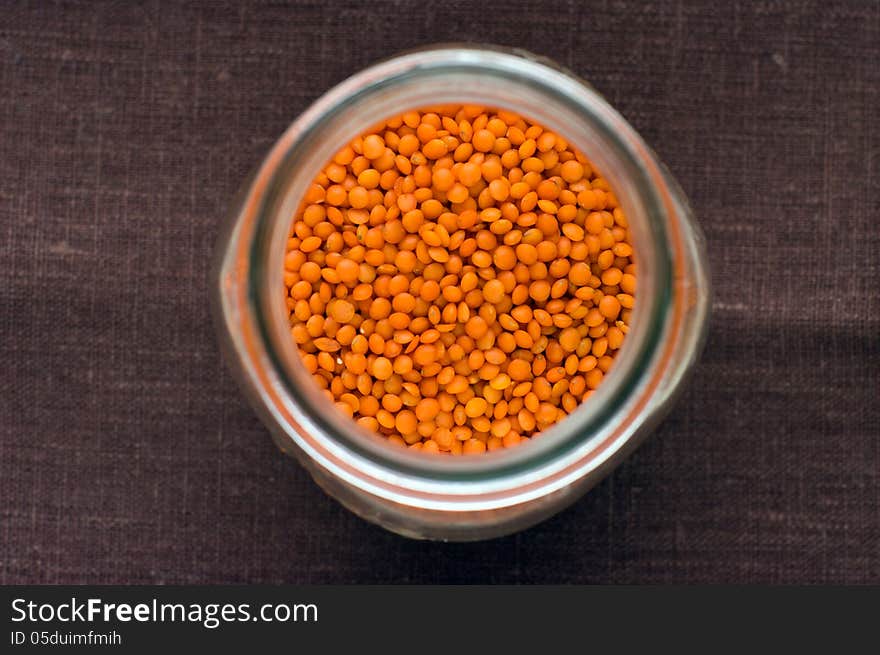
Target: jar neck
(454, 75)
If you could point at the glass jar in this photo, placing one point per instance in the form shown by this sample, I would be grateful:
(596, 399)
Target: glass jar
(469, 497)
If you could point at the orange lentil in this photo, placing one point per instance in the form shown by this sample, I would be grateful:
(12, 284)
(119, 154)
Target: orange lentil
(434, 149)
(483, 140)
(382, 368)
(519, 370)
(459, 279)
(493, 291)
(373, 146)
(610, 307)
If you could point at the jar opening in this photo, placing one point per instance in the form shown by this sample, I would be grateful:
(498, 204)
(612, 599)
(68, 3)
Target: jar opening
(525, 86)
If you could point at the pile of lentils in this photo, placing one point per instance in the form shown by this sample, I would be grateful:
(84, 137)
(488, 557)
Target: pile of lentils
(459, 279)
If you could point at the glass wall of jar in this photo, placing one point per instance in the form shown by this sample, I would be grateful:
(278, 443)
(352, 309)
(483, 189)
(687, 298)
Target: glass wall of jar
(469, 497)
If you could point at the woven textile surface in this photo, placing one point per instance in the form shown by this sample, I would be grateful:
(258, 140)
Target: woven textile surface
(127, 454)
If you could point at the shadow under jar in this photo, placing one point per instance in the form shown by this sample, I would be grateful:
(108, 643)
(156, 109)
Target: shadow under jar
(469, 497)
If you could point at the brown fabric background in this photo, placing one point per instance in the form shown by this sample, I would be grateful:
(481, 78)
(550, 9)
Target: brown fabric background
(127, 454)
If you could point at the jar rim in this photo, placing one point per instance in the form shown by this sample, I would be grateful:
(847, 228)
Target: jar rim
(563, 451)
